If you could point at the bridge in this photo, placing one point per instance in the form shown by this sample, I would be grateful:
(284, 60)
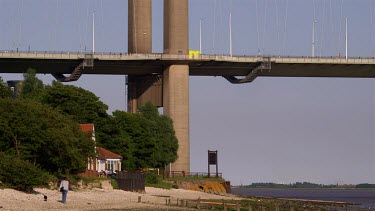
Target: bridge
(202, 65)
(163, 78)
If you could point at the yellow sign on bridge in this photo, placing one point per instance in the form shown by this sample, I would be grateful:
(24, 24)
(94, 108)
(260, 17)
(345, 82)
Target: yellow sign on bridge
(194, 53)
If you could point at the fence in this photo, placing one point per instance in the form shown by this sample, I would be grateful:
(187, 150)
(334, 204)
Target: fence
(174, 174)
(131, 181)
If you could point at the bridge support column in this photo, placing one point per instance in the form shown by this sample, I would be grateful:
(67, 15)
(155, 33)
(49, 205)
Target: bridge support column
(176, 106)
(176, 78)
(141, 88)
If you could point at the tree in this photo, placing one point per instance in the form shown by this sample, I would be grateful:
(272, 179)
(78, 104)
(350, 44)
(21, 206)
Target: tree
(32, 87)
(41, 135)
(82, 105)
(113, 138)
(5, 91)
(161, 128)
(144, 139)
(138, 143)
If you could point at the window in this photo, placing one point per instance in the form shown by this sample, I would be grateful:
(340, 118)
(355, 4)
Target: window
(110, 165)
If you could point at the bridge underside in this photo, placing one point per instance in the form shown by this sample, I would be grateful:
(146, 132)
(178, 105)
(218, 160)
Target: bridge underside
(196, 68)
(143, 89)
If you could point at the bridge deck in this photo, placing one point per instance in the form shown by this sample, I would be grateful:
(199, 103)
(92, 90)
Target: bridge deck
(203, 65)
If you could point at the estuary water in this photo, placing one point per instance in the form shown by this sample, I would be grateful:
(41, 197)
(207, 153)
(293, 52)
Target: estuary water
(364, 198)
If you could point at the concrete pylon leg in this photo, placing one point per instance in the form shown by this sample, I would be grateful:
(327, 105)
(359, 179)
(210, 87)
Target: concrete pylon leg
(176, 77)
(140, 90)
(176, 106)
(139, 26)
(175, 91)
(132, 94)
(143, 89)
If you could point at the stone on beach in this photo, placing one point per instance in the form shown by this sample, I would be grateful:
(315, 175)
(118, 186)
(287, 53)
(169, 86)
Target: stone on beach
(99, 199)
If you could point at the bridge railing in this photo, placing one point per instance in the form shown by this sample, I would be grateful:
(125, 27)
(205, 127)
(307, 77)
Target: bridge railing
(160, 56)
(174, 174)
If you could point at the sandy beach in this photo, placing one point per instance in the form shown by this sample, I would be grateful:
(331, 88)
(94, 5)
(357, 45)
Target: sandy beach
(99, 199)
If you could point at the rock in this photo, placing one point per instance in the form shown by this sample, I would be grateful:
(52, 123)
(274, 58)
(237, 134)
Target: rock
(106, 184)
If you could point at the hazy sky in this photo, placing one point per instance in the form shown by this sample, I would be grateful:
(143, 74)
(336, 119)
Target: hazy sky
(272, 130)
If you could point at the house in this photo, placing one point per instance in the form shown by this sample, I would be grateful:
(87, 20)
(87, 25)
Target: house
(108, 160)
(105, 160)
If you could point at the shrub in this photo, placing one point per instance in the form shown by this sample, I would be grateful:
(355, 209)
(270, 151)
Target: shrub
(20, 174)
(151, 178)
(114, 184)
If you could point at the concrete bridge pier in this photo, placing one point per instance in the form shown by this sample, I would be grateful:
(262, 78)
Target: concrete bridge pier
(172, 90)
(176, 106)
(176, 78)
(141, 88)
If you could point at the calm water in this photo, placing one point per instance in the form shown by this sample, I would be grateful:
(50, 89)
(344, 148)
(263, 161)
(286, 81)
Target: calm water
(366, 198)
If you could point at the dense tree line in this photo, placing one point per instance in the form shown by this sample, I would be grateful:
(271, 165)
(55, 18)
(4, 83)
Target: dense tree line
(305, 185)
(365, 185)
(291, 185)
(41, 135)
(40, 130)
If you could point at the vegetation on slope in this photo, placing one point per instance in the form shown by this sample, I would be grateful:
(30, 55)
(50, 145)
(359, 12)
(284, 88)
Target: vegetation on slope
(40, 133)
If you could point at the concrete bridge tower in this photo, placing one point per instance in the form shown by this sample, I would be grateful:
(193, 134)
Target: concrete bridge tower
(141, 88)
(176, 78)
(172, 90)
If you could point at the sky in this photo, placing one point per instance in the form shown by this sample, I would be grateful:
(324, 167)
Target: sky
(281, 130)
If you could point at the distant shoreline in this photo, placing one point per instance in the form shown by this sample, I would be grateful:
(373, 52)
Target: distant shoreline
(237, 187)
(360, 197)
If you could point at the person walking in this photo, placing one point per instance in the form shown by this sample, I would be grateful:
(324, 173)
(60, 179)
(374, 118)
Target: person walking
(64, 187)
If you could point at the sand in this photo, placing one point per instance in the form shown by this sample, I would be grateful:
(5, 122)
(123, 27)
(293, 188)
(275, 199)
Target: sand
(99, 199)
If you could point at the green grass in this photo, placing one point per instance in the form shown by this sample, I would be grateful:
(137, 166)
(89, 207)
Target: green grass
(114, 184)
(156, 181)
(163, 185)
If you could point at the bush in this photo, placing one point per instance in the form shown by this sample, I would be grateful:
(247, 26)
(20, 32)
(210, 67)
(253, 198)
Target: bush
(156, 181)
(151, 178)
(114, 184)
(20, 174)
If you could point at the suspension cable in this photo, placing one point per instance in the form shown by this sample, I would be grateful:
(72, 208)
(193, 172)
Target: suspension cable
(101, 7)
(322, 29)
(56, 23)
(332, 26)
(214, 26)
(12, 24)
(86, 25)
(340, 31)
(20, 15)
(79, 25)
(264, 24)
(285, 24)
(277, 26)
(257, 15)
(314, 10)
(371, 21)
(221, 22)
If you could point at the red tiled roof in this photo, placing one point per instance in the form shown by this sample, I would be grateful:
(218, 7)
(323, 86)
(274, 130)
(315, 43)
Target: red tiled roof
(87, 127)
(106, 154)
